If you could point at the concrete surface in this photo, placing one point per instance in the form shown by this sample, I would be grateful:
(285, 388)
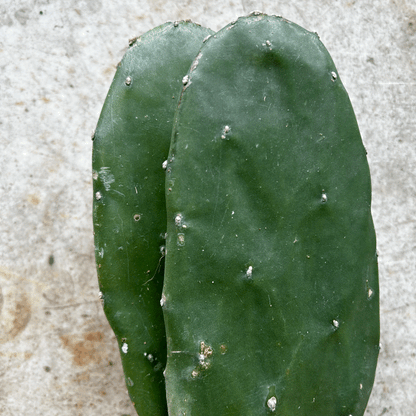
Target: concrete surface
(58, 355)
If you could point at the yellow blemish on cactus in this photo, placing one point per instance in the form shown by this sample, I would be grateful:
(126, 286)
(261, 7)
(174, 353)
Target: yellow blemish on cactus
(206, 350)
(204, 363)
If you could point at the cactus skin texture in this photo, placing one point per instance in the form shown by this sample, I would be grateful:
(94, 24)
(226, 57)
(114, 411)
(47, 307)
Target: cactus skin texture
(270, 294)
(130, 145)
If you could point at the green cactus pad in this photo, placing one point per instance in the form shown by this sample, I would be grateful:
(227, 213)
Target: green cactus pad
(131, 143)
(270, 294)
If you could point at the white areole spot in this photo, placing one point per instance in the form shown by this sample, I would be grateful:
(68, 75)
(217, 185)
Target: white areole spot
(125, 348)
(163, 300)
(128, 81)
(165, 164)
(225, 131)
(181, 239)
(324, 197)
(271, 403)
(334, 76)
(249, 272)
(185, 79)
(178, 220)
(98, 195)
(150, 357)
(335, 323)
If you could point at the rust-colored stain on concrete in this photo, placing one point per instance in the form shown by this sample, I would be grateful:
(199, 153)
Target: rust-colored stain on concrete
(86, 350)
(21, 315)
(15, 313)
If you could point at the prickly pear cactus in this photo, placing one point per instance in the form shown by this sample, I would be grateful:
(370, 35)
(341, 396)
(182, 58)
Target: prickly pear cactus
(131, 142)
(270, 294)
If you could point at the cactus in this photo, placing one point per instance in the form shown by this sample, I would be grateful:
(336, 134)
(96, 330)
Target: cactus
(270, 292)
(270, 287)
(130, 144)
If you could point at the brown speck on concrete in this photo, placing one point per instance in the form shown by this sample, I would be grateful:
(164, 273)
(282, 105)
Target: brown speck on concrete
(33, 199)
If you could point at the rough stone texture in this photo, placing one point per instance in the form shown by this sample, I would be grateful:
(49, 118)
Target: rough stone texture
(58, 356)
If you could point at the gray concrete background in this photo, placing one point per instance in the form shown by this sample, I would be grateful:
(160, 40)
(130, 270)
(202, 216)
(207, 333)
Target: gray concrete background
(58, 355)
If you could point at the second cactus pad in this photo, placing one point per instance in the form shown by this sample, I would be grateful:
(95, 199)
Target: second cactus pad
(131, 143)
(270, 294)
